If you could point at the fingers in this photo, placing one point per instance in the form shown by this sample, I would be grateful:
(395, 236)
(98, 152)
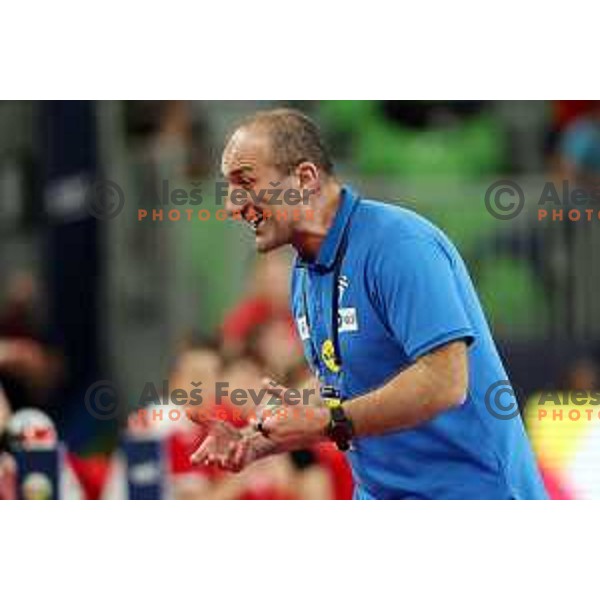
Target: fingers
(209, 423)
(201, 454)
(235, 457)
(273, 387)
(240, 452)
(285, 427)
(269, 424)
(199, 417)
(225, 458)
(208, 453)
(231, 457)
(241, 455)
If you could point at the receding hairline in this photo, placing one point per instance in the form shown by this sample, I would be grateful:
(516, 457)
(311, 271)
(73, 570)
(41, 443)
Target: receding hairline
(267, 120)
(302, 132)
(241, 129)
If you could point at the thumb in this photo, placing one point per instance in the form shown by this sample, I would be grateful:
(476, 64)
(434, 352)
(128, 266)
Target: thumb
(201, 452)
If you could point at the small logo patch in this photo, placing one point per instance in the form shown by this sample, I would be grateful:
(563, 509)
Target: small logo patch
(342, 284)
(347, 320)
(303, 331)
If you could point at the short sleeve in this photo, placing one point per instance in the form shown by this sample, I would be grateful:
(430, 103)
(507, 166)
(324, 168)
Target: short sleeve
(418, 288)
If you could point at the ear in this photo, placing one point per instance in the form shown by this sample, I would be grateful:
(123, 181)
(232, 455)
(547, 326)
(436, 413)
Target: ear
(309, 176)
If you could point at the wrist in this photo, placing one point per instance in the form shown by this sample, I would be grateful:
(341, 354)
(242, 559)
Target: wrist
(260, 446)
(340, 427)
(322, 419)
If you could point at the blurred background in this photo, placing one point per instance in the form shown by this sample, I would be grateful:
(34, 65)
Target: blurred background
(87, 299)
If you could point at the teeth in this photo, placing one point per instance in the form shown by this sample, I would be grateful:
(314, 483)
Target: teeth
(256, 221)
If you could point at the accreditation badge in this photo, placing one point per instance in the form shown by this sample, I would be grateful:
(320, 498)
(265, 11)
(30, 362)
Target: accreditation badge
(329, 357)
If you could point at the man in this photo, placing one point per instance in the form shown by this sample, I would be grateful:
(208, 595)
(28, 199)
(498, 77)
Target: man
(409, 353)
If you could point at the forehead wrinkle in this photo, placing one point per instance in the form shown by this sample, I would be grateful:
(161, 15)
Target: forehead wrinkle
(244, 152)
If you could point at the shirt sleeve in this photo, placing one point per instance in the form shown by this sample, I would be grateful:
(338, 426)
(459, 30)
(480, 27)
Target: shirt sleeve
(417, 286)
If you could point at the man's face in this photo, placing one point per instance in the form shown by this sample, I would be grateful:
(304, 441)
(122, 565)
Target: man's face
(247, 166)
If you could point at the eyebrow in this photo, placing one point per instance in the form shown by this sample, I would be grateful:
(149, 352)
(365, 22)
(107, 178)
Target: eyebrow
(239, 171)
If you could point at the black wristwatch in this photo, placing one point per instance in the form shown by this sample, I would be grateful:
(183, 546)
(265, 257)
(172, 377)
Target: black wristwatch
(340, 429)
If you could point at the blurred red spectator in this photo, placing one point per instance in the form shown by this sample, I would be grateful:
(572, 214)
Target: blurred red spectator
(267, 299)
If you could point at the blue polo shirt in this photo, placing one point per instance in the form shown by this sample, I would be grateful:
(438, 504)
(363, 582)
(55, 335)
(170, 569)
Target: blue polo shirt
(403, 290)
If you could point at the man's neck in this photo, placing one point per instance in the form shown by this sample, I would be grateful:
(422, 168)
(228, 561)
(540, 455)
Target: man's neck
(309, 238)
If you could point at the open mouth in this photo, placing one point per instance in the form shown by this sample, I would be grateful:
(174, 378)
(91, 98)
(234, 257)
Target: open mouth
(254, 216)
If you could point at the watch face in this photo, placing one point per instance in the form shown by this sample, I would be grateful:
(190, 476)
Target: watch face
(338, 415)
(340, 428)
(341, 440)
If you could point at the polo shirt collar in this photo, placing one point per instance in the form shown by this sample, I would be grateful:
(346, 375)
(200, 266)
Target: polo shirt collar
(331, 244)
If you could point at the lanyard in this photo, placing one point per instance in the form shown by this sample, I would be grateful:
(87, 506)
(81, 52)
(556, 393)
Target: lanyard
(333, 390)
